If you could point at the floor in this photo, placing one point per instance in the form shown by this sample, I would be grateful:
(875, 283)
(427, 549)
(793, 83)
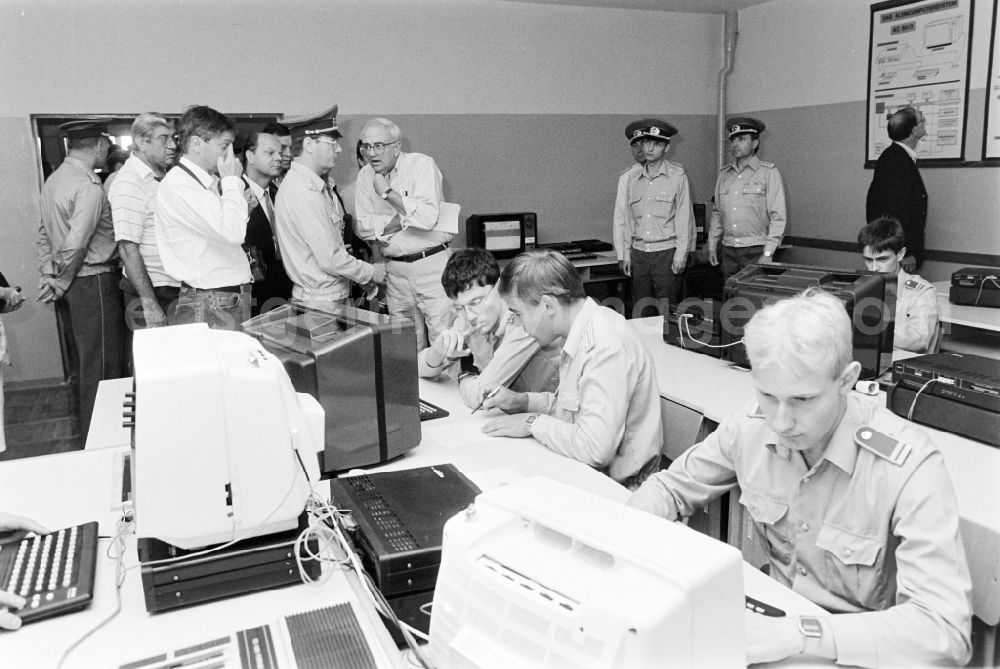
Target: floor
(40, 419)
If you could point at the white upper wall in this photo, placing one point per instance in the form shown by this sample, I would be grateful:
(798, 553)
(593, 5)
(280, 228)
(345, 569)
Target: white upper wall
(370, 56)
(796, 53)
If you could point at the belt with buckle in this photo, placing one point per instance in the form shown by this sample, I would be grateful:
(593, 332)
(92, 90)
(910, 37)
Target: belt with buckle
(420, 255)
(220, 289)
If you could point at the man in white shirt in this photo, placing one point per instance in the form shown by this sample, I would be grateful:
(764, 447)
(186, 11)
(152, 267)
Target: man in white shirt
(606, 412)
(310, 220)
(148, 290)
(397, 200)
(882, 245)
(201, 221)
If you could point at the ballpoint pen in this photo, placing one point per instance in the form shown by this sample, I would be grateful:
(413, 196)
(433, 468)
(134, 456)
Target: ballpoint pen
(490, 394)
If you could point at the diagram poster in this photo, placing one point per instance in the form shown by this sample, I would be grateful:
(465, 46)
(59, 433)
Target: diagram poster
(991, 136)
(919, 56)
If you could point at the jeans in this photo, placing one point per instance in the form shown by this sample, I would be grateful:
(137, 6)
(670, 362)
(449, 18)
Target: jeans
(220, 309)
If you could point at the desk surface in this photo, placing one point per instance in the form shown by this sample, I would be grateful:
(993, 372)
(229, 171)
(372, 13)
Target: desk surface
(982, 318)
(75, 487)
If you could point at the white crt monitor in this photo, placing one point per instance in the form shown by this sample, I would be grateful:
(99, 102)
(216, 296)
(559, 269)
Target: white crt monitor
(222, 441)
(541, 574)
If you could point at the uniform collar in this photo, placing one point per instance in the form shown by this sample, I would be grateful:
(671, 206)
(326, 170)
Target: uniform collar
(580, 323)
(841, 450)
(753, 163)
(664, 169)
(77, 163)
(306, 173)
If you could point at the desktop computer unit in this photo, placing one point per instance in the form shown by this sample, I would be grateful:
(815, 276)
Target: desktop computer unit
(541, 574)
(975, 286)
(957, 393)
(694, 324)
(868, 297)
(362, 369)
(400, 518)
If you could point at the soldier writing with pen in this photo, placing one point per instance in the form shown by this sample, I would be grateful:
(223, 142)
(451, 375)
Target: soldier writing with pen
(481, 345)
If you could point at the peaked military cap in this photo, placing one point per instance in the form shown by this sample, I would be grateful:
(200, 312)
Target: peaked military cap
(739, 125)
(650, 127)
(314, 125)
(84, 129)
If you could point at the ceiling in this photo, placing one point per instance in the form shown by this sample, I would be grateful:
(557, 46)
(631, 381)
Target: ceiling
(691, 6)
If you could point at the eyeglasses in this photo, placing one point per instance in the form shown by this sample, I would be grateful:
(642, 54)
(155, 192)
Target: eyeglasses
(376, 149)
(164, 139)
(473, 306)
(327, 140)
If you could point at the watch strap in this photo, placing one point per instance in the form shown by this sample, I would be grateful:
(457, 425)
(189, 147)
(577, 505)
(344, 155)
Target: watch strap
(811, 630)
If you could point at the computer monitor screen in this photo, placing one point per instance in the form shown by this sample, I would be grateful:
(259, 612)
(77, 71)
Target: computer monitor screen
(504, 235)
(362, 368)
(869, 297)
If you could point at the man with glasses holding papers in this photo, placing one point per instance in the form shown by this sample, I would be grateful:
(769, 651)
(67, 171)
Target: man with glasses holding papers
(492, 351)
(397, 201)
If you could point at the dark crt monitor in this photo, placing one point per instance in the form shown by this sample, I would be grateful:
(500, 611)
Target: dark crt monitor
(361, 367)
(869, 297)
(503, 235)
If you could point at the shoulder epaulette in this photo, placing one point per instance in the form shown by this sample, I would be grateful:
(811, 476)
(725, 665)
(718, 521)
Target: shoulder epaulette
(767, 164)
(916, 284)
(755, 412)
(679, 166)
(587, 340)
(882, 445)
(94, 179)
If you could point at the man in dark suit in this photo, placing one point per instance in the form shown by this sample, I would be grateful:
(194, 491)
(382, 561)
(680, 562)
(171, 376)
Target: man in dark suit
(271, 287)
(897, 189)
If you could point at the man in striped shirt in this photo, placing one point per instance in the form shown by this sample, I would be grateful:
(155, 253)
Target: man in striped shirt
(149, 291)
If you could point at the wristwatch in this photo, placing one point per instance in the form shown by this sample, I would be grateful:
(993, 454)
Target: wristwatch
(530, 420)
(812, 634)
(385, 193)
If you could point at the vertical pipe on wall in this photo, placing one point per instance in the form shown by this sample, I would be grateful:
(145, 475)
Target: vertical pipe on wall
(732, 29)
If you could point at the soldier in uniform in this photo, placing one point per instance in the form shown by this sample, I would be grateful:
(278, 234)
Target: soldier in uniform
(78, 259)
(606, 412)
(660, 220)
(852, 504)
(749, 215)
(310, 220)
(619, 223)
(882, 244)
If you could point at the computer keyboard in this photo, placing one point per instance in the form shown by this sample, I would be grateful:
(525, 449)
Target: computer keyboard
(580, 255)
(54, 572)
(428, 411)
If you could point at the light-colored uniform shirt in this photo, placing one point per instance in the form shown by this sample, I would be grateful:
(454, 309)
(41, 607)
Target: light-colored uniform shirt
(417, 179)
(621, 237)
(856, 533)
(606, 412)
(310, 229)
(916, 313)
(749, 207)
(508, 357)
(200, 232)
(660, 215)
(76, 236)
(133, 201)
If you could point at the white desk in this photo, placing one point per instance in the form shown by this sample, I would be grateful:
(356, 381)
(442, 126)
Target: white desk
(75, 487)
(981, 318)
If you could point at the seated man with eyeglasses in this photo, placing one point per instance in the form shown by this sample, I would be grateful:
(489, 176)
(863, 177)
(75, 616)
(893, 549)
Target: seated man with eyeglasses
(482, 337)
(397, 204)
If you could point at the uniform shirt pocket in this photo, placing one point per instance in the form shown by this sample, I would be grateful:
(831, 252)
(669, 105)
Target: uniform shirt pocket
(755, 189)
(852, 564)
(568, 404)
(766, 514)
(662, 206)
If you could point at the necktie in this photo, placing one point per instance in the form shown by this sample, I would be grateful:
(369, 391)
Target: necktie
(268, 209)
